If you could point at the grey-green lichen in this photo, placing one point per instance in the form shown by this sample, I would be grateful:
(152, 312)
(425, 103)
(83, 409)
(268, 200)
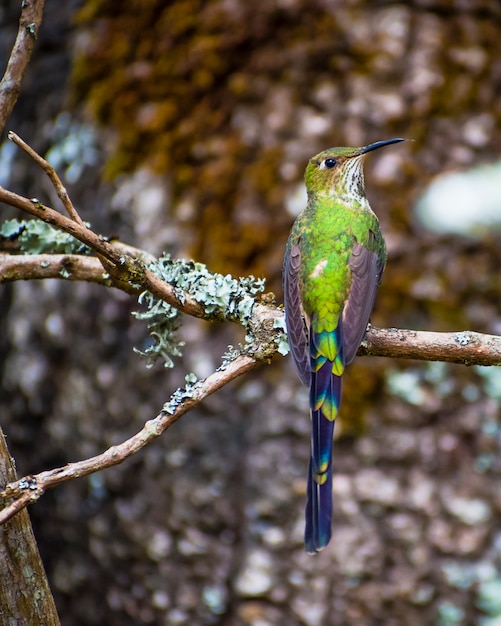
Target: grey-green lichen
(163, 321)
(223, 297)
(182, 393)
(230, 355)
(37, 237)
(193, 384)
(281, 339)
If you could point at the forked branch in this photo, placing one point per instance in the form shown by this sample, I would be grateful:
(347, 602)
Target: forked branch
(124, 267)
(29, 489)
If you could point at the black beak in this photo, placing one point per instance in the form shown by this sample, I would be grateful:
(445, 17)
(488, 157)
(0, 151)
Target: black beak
(380, 144)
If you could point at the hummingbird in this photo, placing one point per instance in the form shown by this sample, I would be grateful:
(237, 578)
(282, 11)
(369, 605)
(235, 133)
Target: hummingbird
(334, 261)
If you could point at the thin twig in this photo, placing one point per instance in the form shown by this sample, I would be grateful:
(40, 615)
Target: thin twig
(28, 489)
(123, 267)
(10, 85)
(51, 173)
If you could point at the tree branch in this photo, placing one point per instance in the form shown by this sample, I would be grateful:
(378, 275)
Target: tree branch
(10, 85)
(125, 268)
(31, 488)
(52, 175)
(465, 347)
(64, 266)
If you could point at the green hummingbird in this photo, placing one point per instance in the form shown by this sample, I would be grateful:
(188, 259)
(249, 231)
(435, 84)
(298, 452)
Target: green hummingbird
(334, 260)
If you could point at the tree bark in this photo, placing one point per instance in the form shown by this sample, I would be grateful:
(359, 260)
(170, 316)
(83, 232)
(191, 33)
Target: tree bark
(25, 595)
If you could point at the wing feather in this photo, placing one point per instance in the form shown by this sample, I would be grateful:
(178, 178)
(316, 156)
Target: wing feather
(294, 317)
(367, 269)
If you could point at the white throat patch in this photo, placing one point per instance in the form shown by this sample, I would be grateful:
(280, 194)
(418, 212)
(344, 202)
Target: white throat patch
(353, 179)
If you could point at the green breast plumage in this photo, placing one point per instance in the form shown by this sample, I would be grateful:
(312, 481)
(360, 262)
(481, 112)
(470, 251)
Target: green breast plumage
(327, 231)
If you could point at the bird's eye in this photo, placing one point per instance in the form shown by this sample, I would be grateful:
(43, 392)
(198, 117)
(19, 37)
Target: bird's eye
(330, 163)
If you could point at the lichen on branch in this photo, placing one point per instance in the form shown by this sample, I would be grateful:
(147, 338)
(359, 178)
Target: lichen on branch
(37, 237)
(222, 297)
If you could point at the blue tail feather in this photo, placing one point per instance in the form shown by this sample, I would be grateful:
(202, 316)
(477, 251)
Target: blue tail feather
(318, 513)
(325, 397)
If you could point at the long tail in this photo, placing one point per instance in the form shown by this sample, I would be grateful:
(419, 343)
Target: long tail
(325, 397)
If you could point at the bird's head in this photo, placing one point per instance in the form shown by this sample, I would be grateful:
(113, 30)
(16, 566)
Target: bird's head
(339, 171)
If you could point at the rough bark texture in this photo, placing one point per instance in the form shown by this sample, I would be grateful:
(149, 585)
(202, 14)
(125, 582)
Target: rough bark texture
(25, 595)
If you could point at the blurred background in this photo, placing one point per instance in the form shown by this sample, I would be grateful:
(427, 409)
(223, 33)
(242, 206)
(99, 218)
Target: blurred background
(184, 126)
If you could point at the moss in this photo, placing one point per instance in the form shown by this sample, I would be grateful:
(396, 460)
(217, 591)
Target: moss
(212, 96)
(171, 99)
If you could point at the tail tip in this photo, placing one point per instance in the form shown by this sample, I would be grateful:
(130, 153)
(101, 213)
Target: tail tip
(313, 545)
